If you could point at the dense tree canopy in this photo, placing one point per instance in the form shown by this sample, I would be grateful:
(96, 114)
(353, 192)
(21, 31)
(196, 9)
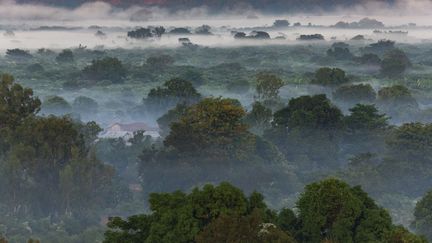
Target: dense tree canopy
(330, 76)
(309, 112)
(108, 68)
(268, 86)
(423, 216)
(394, 63)
(16, 102)
(329, 210)
(210, 123)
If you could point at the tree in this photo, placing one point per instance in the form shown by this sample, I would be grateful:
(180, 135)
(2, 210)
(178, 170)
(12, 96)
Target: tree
(366, 117)
(402, 235)
(250, 228)
(423, 216)
(369, 59)
(16, 103)
(281, 23)
(141, 33)
(259, 35)
(180, 31)
(179, 217)
(85, 105)
(160, 61)
(203, 30)
(380, 47)
(394, 63)
(174, 91)
(66, 56)
(308, 132)
(212, 123)
(355, 94)
(108, 68)
(412, 141)
(316, 37)
(259, 118)
(332, 210)
(170, 117)
(49, 171)
(330, 76)
(314, 112)
(366, 131)
(56, 105)
(394, 93)
(397, 102)
(268, 86)
(340, 51)
(18, 54)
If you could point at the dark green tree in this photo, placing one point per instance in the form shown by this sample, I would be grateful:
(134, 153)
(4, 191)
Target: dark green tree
(355, 94)
(212, 123)
(108, 68)
(56, 105)
(423, 216)
(332, 210)
(394, 63)
(330, 76)
(316, 112)
(173, 92)
(259, 118)
(66, 56)
(366, 117)
(16, 103)
(268, 86)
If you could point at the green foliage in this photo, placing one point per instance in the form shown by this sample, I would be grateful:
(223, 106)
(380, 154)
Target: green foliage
(56, 105)
(339, 53)
(268, 86)
(329, 211)
(397, 102)
(179, 217)
(66, 56)
(412, 140)
(369, 59)
(108, 68)
(395, 92)
(18, 54)
(214, 122)
(423, 216)
(314, 112)
(402, 235)
(145, 33)
(160, 61)
(361, 93)
(365, 117)
(170, 117)
(250, 228)
(259, 118)
(394, 63)
(173, 92)
(330, 76)
(47, 169)
(16, 103)
(333, 210)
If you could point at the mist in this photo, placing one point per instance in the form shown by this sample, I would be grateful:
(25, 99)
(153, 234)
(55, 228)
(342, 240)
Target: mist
(108, 111)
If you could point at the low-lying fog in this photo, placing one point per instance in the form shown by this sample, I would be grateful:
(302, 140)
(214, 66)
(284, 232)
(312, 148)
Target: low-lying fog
(25, 22)
(60, 39)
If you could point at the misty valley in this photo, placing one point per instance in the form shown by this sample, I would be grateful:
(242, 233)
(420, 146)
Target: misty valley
(131, 126)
